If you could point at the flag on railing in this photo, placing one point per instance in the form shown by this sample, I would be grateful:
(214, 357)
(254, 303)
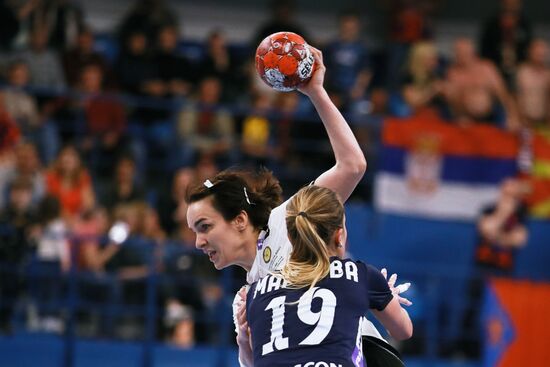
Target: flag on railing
(515, 323)
(434, 168)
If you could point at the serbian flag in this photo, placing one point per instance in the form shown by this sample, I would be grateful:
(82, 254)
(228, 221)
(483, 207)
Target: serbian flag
(434, 168)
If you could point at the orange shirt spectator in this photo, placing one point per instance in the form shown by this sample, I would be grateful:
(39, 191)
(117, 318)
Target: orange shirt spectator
(70, 183)
(71, 197)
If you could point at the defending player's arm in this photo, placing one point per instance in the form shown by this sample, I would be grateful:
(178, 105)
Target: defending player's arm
(386, 306)
(350, 165)
(395, 319)
(246, 358)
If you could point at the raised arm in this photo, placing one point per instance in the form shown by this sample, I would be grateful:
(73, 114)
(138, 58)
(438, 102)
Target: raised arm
(351, 164)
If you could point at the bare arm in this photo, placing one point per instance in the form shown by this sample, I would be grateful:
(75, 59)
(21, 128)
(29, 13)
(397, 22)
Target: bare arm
(96, 258)
(351, 164)
(490, 227)
(396, 320)
(246, 355)
(505, 98)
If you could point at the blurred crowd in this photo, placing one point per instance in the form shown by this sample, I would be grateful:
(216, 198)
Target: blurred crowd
(91, 136)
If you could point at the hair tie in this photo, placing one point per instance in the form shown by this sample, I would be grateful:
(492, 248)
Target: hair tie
(303, 214)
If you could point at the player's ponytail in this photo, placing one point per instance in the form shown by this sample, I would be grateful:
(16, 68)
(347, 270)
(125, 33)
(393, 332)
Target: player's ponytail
(313, 216)
(235, 190)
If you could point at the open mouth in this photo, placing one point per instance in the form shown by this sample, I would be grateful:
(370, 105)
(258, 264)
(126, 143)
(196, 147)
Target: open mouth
(211, 254)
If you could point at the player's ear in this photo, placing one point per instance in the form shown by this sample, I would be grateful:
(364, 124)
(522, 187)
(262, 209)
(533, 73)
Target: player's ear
(338, 238)
(241, 221)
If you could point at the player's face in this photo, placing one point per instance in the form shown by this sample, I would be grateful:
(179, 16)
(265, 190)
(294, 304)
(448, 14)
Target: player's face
(215, 236)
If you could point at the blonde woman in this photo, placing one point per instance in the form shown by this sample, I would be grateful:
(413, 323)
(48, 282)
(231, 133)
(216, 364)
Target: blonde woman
(422, 85)
(312, 311)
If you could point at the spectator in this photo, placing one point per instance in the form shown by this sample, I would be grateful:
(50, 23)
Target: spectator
(124, 188)
(92, 249)
(533, 86)
(422, 83)
(58, 20)
(502, 231)
(205, 128)
(409, 22)
(16, 222)
(176, 73)
(152, 230)
(146, 17)
(26, 167)
(505, 38)
(19, 215)
(220, 63)
(474, 87)
(45, 67)
(105, 122)
(179, 319)
(131, 263)
(90, 243)
(23, 107)
(132, 260)
(70, 183)
(135, 69)
(256, 137)
(19, 103)
(52, 262)
(81, 55)
(138, 74)
(502, 228)
(172, 207)
(347, 59)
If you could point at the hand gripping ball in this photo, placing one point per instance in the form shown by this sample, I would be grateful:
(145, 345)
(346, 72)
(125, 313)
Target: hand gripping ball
(284, 61)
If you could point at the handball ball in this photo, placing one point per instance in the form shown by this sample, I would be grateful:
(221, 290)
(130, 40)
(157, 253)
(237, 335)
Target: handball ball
(284, 61)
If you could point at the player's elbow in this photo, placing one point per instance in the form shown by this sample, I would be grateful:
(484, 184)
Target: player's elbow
(357, 166)
(403, 333)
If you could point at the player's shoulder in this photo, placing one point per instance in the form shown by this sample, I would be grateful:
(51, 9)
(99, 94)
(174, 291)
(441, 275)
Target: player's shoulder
(279, 211)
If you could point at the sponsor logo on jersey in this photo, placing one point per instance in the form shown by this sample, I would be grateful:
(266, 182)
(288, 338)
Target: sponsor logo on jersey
(267, 254)
(318, 364)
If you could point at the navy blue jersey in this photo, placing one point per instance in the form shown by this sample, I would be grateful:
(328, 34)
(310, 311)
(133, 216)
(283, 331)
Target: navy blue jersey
(317, 326)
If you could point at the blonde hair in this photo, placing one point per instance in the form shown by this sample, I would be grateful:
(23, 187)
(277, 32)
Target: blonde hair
(313, 215)
(417, 60)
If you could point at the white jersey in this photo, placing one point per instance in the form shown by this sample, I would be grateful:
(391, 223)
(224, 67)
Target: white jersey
(273, 250)
(273, 247)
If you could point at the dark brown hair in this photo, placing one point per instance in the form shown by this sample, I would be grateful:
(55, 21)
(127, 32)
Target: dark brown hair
(235, 190)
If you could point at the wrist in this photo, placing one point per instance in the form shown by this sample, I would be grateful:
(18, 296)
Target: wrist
(242, 340)
(318, 94)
